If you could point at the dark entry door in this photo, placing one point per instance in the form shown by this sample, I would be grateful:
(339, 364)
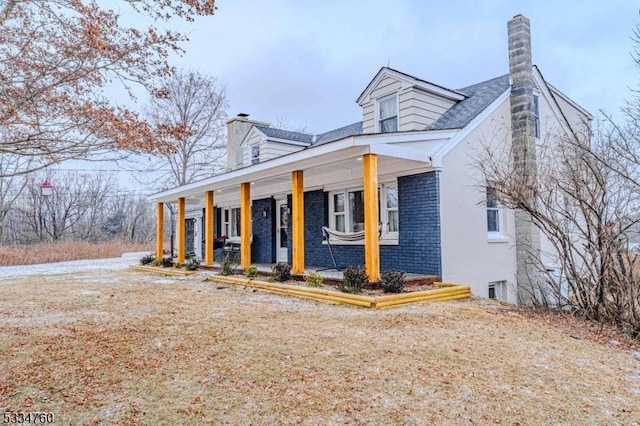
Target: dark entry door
(190, 225)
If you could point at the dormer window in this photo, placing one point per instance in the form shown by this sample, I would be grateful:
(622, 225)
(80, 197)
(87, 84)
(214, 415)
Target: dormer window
(388, 114)
(255, 154)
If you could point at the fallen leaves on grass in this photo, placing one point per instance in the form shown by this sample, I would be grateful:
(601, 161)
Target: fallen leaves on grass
(141, 350)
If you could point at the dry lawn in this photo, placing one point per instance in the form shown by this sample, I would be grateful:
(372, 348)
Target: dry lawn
(128, 348)
(66, 250)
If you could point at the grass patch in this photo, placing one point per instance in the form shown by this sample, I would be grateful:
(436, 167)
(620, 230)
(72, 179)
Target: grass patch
(120, 347)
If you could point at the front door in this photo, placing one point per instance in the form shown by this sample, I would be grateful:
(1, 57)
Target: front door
(282, 231)
(190, 227)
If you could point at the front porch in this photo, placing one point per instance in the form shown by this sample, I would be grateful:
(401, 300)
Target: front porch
(275, 210)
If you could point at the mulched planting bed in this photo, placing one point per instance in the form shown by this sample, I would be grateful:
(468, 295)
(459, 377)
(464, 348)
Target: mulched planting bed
(331, 285)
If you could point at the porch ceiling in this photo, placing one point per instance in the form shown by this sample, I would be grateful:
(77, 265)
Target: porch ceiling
(324, 166)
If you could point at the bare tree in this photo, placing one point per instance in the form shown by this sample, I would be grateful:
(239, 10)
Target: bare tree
(130, 219)
(285, 124)
(190, 118)
(57, 57)
(585, 203)
(11, 187)
(74, 211)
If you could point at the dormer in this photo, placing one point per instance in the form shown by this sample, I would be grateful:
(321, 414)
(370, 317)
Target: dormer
(395, 101)
(264, 143)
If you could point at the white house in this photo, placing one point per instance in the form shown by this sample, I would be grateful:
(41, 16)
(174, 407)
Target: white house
(398, 190)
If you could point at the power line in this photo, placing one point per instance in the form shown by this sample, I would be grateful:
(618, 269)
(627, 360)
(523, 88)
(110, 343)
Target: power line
(13, 192)
(107, 170)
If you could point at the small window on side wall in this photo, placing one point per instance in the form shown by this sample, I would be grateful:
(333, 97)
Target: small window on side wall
(498, 290)
(493, 211)
(388, 114)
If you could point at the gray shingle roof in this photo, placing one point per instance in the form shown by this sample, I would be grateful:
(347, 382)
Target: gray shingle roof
(480, 96)
(342, 132)
(285, 134)
(322, 138)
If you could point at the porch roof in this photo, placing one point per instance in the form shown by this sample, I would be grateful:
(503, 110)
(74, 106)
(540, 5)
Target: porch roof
(324, 165)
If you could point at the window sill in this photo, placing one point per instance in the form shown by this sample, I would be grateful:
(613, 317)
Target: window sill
(496, 238)
(383, 242)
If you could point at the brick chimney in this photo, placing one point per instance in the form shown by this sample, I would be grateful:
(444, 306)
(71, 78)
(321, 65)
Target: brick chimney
(237, 128)
(523, 152)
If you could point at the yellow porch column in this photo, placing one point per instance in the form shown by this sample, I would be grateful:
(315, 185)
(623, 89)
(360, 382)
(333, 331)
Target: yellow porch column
(245, 225)
(297, 222)
(371, 241)
(208, 228)
(180, 230)
(159, 230)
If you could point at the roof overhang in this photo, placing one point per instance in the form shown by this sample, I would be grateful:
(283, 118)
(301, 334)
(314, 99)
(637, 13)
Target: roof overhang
(326, 164)
(406, 81)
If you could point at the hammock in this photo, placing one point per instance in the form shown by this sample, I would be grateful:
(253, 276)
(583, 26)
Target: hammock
(329, 233)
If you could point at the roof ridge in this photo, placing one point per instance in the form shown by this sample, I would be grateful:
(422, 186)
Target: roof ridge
(282, 130)
(425, 81)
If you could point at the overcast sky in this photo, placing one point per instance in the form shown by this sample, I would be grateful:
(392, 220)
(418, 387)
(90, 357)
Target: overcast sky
(306, 62)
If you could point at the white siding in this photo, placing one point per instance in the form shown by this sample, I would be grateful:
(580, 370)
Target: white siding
(386, 86)
(368, 118)
(417, 108)
(271, 150)
(577, 120)
(268, 149)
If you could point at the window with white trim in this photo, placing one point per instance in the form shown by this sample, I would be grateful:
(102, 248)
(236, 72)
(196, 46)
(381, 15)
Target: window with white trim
(231, 222)
(338, 212)
(346, 210)
(391, 220)
(494, 212)
(356, 211)
(388, 114)
(536, 114)
(255, 153)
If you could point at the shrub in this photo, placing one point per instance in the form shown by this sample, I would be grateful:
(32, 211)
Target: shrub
(167, 262)
(157, 262)
(148, 259)
(281, 272)
(251, 272)
(354, 279)
(392, 281)
(227, 265)
(314, 280)
(192, 264)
